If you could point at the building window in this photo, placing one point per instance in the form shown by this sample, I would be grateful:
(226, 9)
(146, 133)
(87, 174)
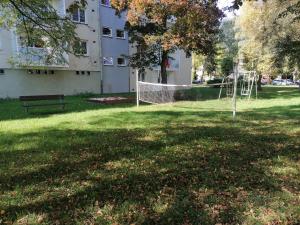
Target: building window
(108, 61)
(120, 34)
(121, 61)
(36, 43)
(107, 32)
(78, 15)
(80, 48)
(105, 2)
(2, 71)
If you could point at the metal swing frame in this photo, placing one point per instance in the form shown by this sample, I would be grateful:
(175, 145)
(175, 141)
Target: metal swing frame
(249, 80)
(227, 83)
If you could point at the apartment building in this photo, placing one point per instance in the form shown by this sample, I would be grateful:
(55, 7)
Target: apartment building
(117, 76)
(79, 75)
(114, 48)
(102, 68)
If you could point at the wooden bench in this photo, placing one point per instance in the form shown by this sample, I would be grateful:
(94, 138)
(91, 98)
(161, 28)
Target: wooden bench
(40, 100)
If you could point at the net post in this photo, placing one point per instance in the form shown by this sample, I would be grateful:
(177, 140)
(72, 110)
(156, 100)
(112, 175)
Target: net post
(137, 88)
(220, 93)
(256, 83)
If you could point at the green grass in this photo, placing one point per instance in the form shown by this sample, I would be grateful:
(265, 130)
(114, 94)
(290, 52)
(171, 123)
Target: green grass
(183, 163)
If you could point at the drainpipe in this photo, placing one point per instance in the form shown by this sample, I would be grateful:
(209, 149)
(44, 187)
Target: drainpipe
(100, 48)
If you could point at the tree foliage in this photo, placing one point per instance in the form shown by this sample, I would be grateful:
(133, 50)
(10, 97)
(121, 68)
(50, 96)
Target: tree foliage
(269, 35)
(158, 28)
(228, 47)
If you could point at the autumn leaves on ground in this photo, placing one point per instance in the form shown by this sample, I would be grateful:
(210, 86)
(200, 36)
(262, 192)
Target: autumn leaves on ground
(185, 163)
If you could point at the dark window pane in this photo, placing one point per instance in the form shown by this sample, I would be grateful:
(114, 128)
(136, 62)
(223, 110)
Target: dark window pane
(82, 16)
(105, 2)
(80, 48)
(75, 16)
(120, 34)
(106, 31)
(121, 61)
(83, 48)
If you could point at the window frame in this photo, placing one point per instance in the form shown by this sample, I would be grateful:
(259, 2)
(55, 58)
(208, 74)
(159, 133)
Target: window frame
(107, 5)
(124, 35)
(105, 35)
(78, 12)
(125, 62)
(105, 64)
(86, 47)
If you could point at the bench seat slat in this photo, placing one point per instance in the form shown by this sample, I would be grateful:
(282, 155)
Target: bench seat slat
(49, 98)
(33, 105)
(41, 97)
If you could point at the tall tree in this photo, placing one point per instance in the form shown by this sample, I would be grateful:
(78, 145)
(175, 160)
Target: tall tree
(269, 35)
(158, 28)
(288, 45)
(229, 46)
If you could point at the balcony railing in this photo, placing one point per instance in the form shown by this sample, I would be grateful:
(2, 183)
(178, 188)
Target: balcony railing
(33, 56)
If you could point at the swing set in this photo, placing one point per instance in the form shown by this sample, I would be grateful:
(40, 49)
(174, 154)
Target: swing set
(247, 82)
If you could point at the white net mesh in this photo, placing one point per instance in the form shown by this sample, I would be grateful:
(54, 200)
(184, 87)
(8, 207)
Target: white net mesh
(161, 93)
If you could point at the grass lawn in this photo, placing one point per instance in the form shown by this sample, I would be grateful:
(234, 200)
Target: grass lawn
(183, 163)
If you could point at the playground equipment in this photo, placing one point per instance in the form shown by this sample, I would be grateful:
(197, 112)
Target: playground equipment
(247, 80)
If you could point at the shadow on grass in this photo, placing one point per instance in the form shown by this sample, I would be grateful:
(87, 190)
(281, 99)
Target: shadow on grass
(172, 174)
(12, 109)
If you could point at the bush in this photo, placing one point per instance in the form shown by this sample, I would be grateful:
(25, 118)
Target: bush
(215, 81)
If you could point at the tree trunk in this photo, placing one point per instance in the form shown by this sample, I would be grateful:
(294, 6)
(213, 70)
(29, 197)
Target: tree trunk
(259, 88)
(163, 67)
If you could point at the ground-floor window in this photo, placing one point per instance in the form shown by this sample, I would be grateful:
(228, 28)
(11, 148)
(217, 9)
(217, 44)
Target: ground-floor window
(120, 34)
(106, 32)
(108, 61)
(121, 61)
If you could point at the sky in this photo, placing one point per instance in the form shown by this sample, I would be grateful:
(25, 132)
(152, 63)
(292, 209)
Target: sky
(225, 3)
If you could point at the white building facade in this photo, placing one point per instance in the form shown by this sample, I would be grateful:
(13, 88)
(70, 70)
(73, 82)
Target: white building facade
(103, 68)
(80, 75)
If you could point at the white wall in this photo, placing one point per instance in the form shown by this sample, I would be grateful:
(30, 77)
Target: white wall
(181, 76)
(15, 83)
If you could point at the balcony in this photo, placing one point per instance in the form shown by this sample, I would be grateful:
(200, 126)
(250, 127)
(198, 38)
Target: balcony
(39, 57)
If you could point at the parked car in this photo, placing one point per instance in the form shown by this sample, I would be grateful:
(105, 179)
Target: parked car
(289, 82)
(263, 81)
(282, 82)
(277, 82)
(297, 82)
(197, 82)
